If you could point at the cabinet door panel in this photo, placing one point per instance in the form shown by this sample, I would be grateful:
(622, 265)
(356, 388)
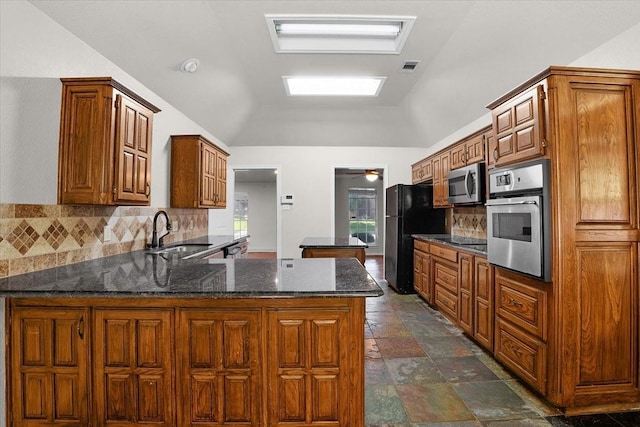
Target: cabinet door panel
(133, 371)
(218, 367)
(312, 375)
(608, 319)
(150, 398)
(49, 366)
(133, 141)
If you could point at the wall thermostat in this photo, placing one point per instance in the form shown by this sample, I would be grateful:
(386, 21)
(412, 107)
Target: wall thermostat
(287, 199)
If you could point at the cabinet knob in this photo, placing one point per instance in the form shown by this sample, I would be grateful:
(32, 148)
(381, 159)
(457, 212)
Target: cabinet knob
(495, 154)
(148, 192)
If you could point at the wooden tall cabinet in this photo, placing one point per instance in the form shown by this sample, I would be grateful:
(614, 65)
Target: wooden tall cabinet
(422, 280)
(588, 119)
(104, 154)
(595, 127)
(198, 173)
(49, 380)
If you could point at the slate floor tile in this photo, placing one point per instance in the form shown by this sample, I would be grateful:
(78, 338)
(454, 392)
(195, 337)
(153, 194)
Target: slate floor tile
(371, 350)
(414, 370)
(433, 402)
(426, 329)
(444, 346)
(584, 421)
(388, 329)
(383, 406)
(399, 347)
(627, 419)
(493, 400)
(464, 369)
(525, 422)
(376, 372)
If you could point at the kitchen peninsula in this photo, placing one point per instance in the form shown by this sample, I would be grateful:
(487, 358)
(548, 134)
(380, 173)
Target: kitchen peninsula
(333, 247)
(157, 339)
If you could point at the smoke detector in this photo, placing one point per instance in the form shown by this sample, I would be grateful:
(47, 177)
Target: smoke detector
(409, 66)
(190, 65)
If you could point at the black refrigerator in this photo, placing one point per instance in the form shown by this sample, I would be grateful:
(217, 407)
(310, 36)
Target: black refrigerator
(409, 211)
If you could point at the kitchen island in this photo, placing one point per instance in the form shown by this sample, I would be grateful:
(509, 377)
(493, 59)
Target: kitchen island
(333, 247)
(162, 340)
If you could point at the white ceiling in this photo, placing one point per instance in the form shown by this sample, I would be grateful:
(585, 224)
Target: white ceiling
(471, 51)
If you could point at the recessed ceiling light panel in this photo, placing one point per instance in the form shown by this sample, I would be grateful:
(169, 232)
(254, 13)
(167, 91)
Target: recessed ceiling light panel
(339, 33)
(333, 86)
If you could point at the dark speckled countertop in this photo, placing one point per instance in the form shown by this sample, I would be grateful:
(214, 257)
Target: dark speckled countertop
(141, 274)
(470, 244)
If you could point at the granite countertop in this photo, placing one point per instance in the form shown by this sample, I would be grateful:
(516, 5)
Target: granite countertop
(332, 242)
(143, 274)
(470, 244)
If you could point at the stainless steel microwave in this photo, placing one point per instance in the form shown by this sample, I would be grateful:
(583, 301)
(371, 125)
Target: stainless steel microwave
(466, 185)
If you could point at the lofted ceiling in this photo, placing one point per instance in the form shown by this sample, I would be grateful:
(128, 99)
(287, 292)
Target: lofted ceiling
(471, 52)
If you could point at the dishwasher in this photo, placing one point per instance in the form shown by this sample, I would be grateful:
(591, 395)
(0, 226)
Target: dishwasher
(237, 250)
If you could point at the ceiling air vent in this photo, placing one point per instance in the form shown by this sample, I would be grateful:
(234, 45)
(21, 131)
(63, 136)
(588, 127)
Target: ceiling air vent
(409, 66)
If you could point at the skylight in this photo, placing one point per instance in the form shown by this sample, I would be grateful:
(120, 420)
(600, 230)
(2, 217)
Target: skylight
(339, 33)
(333, 86)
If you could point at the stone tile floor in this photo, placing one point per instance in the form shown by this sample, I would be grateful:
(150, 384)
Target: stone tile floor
(420, 371)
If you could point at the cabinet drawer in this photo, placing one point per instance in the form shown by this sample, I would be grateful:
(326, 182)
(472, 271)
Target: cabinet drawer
(446, 302)
(523, 353)
(420, 245)
(445, 276)
(446, 253)
(522, 305)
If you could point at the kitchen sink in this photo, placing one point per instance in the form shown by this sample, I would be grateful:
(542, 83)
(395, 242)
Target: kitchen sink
(183, 247)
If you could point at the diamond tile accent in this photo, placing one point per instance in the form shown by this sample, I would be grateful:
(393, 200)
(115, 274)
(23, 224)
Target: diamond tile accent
(98, 231)
(55, 234)
(81, 232)
(23, 237)
(120, 229)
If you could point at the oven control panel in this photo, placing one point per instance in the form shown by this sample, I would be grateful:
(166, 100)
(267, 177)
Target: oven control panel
(521, 178)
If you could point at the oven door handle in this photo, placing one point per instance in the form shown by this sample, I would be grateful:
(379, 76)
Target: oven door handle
(526, 202)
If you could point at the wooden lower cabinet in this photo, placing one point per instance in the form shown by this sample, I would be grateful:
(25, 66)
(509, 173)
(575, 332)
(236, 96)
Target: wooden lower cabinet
(483, 288)
(186, 362)
(218, 367)
(49, 376)
(133, 367)
(445, 278)
(422, 281)
(307, 364)
(521, 327)
(465, 292)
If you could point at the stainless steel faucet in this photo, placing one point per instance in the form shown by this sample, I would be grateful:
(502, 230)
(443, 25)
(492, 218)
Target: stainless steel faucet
(155, 242)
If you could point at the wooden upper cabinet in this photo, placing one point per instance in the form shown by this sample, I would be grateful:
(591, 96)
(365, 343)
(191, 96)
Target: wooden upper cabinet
(50, 372)
(104, 152)
(458, 155)
(198, 173)
(422, 171)
(518, 125)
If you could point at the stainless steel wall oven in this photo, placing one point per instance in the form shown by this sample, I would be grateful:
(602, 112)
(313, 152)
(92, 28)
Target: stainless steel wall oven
(519, 219)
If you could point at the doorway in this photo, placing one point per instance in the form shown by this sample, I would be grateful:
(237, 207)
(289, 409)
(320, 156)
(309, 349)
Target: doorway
(359, 205)
(255, 210)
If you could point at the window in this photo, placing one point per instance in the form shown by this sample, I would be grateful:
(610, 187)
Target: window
(241, 215)
(363, 222)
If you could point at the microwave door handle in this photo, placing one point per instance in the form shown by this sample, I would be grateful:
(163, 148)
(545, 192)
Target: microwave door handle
(466, 183)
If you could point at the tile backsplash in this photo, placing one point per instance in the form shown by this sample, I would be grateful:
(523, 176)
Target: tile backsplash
(37, 237)
(469, 222)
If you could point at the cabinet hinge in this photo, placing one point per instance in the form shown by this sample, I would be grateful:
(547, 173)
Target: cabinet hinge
(542, 94)
(114, 190)
(544, 143)
(117, 102)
